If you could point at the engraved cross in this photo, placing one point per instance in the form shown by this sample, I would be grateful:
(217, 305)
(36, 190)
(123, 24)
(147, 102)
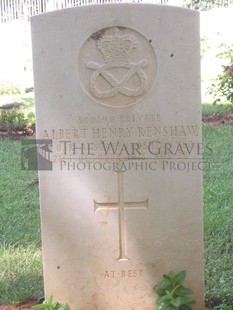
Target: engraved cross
(121, 205)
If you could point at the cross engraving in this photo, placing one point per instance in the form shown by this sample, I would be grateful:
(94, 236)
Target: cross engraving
(121, 205)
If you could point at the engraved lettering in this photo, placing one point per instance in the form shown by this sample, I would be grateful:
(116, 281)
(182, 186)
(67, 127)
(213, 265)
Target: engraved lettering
(167, 131)
(109, 274)
(103, 133)
(123, 273)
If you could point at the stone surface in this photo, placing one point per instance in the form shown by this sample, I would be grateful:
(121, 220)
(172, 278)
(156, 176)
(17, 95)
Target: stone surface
(118, 94)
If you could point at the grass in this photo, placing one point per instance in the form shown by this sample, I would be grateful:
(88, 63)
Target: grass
(20, 244)
(218, 216)
(210, 109)
(20, 254)
(21, 276)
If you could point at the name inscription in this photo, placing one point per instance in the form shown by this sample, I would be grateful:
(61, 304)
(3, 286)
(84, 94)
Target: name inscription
(119, 138)
(122, 132)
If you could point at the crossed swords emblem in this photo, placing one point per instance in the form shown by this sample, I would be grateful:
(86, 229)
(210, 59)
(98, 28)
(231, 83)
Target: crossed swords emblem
(118, 86)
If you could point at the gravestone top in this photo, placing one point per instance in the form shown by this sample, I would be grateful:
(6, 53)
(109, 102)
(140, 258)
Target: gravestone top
(118, 96)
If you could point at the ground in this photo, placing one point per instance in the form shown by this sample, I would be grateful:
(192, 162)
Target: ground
(23, 306)
(216, 120)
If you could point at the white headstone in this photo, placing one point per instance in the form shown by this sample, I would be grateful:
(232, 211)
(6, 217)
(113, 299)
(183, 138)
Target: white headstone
(118, 93)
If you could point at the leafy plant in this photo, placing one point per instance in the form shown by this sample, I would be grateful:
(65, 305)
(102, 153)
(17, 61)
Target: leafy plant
(29, 89)
(205, 5)
(50, 305)
(222, 88)
(14, 120)
(172, 294)
(205, 45)
(9, 89)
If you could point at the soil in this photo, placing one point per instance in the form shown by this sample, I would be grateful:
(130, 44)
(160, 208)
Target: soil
(216, 120)
(24, 306)
(17, 135)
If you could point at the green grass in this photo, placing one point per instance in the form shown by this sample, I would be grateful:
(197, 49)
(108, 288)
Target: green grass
(218, 216)
(21, 273)
(20, 244)
(210, 109)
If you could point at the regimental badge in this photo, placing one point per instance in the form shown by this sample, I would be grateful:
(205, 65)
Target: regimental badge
(126, 68)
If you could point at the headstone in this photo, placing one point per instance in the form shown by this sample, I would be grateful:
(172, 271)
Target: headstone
(118, 107)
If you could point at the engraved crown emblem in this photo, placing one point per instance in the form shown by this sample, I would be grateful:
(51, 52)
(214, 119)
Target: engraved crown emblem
(116, 47)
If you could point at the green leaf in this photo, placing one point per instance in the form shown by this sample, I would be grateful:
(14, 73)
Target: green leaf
(162, 286)
(184, 291)
(172, 294)
(41, 306)
(50, 300)
(171, 275)
(176, 302)
(180, 276)
(185, 307)
(49, 305)
(64, 307)
(163, 299)
(186, 300)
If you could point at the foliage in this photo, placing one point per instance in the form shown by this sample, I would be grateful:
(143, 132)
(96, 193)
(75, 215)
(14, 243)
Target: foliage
(222, 88)
(9, 89)
(206, 5)
(50, 305)
(216, 109)
(29, 89)
(14, 120)
(172, 294)
(205, 45)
